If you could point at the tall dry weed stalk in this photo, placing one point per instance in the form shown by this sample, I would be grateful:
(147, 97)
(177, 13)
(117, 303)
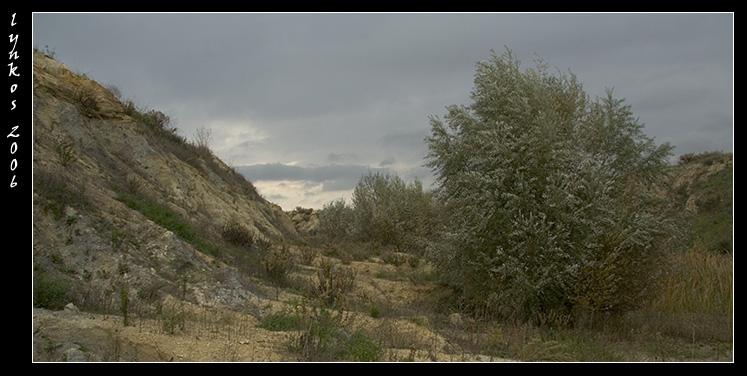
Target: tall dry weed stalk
(333, 282)
(699, 282)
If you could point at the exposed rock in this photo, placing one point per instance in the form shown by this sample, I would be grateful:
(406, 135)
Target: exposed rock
(455, 319)
(305, 220)
(73, 353)
(690, 177)
(71, 308)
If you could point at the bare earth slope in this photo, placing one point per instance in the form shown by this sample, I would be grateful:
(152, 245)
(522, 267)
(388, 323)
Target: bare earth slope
(88, 152)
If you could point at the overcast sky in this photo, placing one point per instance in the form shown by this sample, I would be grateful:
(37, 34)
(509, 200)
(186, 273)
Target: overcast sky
(303, 104)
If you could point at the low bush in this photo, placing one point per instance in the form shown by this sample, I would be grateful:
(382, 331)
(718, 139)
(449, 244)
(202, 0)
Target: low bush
(322, 336)
(49, 292)
(237, 234)
(278, 264)
(160, 215)
(280, 322)
(362, 348)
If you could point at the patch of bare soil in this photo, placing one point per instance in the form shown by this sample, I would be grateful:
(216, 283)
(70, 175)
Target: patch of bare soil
(80, 336)
(213, 334)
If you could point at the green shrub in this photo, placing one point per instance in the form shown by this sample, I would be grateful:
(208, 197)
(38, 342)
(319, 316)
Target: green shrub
(154, 120)
(172, 320)
(49, 292)
(280, 322)
(323, 337)
(374, 311)
(385, 210)
(707, 158)
(335, 220)
(160, 215)
(361, 348)
(308, 255)
(388, 211)
(124, 304)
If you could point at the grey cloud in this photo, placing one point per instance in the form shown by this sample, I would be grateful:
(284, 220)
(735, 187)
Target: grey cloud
(276, 197)
(273, 172)
(387, 162)
(334, 177)
(399, 139)
(351, 90)
(338, 157)
(345, 184)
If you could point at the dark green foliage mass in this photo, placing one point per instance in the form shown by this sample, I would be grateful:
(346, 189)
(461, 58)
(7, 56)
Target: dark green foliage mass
(548, 194)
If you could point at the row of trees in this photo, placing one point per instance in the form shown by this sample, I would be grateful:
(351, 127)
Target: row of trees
(545, 200)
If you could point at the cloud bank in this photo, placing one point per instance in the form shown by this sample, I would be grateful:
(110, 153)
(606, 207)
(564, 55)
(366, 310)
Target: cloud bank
(303, 104)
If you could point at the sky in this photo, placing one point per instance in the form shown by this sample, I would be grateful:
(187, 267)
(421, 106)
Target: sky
(303, 104)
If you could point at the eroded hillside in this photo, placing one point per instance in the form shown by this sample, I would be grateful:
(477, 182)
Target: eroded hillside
(125, 208)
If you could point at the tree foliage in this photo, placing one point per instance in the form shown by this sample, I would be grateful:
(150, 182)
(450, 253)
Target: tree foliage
(548, 196)
(334, 221)
(384, 210)
(391, 212)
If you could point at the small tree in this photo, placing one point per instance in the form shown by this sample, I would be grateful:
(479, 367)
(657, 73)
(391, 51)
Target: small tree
(389, 211)
(335, 221)
(547, 196)
(203, 137)
(384, 210)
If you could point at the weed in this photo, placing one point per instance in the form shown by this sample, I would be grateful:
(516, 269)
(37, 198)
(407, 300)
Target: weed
(278, 264)
(361, 348)
(537, 349)
(237, 234)
(49, 52)
(65, 152)
(393, 258)
(86, 98)
(118, 238)
(160, 215)
(124, 303)
(123, 268)
(333, 282)
(308, 255)
(172, 320)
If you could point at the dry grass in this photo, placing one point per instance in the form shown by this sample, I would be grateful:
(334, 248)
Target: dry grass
(699, 283)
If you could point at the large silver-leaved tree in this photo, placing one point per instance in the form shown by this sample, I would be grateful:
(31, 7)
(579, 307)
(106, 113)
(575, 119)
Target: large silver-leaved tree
(550, 196)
